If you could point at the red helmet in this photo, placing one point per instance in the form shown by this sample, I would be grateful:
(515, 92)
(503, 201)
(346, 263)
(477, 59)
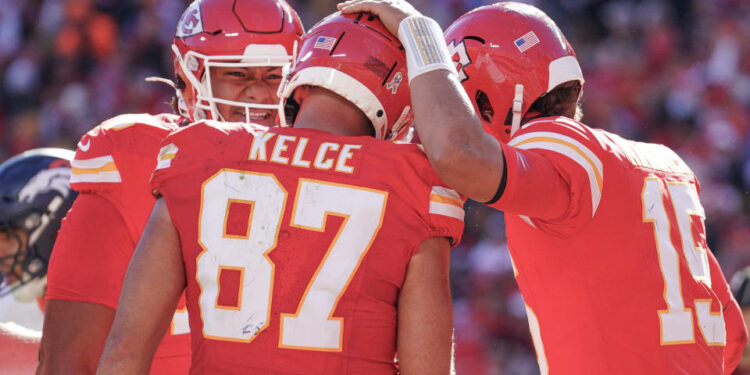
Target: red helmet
(508, 55)
(357, 58)
(246, 33)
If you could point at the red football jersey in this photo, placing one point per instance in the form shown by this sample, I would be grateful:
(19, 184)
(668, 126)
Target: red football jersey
(609, 248)
(111, 171)
(296, 243)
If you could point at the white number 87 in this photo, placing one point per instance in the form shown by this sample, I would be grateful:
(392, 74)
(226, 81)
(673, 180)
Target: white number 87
(312, 327)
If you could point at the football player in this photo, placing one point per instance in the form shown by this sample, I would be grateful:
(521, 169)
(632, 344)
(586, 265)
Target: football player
(35, 194)
(606, 235)
(228, 57)
(317, 249)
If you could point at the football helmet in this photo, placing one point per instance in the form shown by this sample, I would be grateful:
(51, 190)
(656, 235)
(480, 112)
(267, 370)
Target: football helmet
(357, 58)
(230, 33)
(35, 195)
(507, 56)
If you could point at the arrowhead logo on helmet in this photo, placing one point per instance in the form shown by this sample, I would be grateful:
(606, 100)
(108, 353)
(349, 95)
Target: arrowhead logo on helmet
(190, 23)
(460, 58)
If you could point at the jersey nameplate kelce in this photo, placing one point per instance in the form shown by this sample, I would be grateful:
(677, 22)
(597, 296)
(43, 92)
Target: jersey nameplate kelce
(328, 155)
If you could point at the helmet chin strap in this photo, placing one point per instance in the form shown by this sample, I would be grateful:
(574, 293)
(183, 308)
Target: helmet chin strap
(517, 108)
(286, 73)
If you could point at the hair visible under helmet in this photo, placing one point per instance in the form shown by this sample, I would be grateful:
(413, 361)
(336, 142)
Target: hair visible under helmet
(508, 55)
(357, 58)
(230, 33)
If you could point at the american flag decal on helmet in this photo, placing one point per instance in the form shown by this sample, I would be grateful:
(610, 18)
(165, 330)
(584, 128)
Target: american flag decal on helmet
(325, 42)
(527, 41)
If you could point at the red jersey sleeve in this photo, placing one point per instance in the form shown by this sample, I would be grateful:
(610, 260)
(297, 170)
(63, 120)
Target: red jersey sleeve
(111, 171)
(91, 254)
(445, 208)
(115, 160)
(554, 175)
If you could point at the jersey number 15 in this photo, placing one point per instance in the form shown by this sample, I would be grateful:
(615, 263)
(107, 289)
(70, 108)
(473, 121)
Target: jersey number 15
(677, 320)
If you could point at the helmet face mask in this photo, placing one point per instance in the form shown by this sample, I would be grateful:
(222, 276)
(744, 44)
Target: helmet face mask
(358, 59)
(215, 34)
(508, 55)
(35, 195)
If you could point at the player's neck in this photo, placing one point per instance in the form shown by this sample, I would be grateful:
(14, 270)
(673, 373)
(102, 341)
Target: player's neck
(323, 110)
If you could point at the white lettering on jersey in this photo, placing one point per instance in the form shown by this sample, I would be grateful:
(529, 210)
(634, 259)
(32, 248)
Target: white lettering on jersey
(330, 155)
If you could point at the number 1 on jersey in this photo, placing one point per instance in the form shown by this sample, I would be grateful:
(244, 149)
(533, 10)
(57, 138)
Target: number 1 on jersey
(677, 320)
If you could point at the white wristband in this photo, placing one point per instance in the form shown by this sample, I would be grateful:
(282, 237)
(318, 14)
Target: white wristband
(425, 46)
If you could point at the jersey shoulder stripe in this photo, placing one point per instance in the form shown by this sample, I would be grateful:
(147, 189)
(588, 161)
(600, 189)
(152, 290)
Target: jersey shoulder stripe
(545, 138)
(99, 169)
(166, 154)
(446, 202)
(131, 119)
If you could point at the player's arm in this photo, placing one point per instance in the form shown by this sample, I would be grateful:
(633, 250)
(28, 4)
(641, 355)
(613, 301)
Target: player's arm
(19, 348)
(83, 284)
(425, 314)
(463, 155)
(152, 287)
(74, 334)
(736, 332)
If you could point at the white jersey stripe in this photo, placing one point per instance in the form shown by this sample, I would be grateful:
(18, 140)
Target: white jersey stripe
(447, 210)
(445, 192)
(109, 176)
(572, 149)
(127, 120)
(166, 154)
(527, 220)
(536, 338)
(101, 169)
(92, 163)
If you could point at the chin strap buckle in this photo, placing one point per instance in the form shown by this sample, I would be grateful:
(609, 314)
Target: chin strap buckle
(517, 108)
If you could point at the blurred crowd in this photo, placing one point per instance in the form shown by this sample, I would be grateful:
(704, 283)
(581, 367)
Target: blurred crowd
(674, 72)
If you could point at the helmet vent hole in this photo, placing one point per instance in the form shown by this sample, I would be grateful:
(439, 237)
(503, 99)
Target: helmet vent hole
(380, 113)
(486, 112)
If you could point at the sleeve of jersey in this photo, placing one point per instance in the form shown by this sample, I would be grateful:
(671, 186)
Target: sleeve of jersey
(446, 212)
(554, 178)
(736, 332)
(94, 165)
(91, 254)
(173, 155)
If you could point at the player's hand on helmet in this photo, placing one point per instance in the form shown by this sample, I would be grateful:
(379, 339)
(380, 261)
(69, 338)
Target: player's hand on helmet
(390, 12)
